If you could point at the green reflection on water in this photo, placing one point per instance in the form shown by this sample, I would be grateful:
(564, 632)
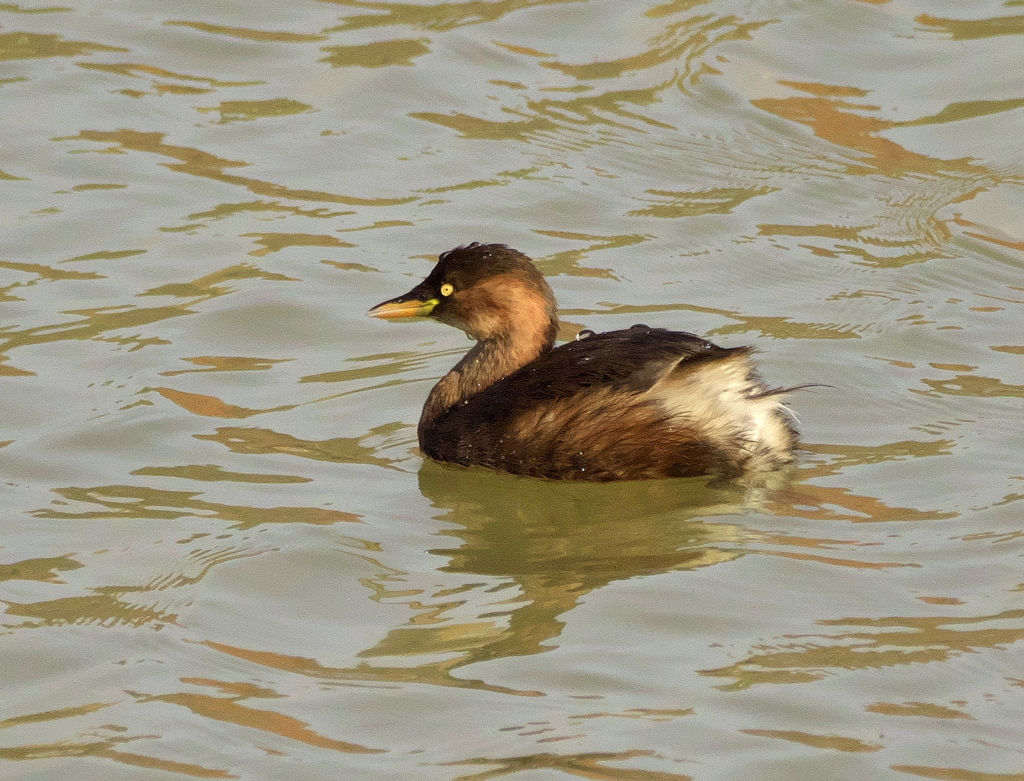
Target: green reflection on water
(379, 54)
(248, 34)
(195, 162)
(42, 570)
(968, 29)
(439, 16)
(24, 46)
(248, 110)
(140, 502)
(885, 642)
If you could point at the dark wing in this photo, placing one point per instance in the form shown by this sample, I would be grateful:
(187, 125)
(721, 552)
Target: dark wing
(629, 361)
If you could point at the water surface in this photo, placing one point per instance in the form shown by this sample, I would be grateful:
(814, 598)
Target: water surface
(223, 556)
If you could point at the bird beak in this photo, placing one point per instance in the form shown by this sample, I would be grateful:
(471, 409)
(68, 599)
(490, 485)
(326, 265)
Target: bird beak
(403, 307)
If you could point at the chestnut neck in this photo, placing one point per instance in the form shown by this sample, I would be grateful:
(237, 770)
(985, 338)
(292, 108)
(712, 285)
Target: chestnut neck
(492, 359)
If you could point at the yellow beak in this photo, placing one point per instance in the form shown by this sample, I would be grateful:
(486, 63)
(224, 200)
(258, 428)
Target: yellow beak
(391, 310)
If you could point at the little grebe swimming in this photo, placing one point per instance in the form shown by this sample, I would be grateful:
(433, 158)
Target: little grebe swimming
(624, 405)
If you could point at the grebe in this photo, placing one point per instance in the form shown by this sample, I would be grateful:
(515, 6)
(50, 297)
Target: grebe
(635, 404)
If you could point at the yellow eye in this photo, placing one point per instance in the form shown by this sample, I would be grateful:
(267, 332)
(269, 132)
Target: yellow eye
(446, 289)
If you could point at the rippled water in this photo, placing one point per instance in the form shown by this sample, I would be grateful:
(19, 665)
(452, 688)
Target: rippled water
(222, 556)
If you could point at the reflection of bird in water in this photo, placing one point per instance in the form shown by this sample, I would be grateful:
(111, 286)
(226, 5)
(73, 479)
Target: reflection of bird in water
(558, 542)
(519, 556)
(623, 405)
